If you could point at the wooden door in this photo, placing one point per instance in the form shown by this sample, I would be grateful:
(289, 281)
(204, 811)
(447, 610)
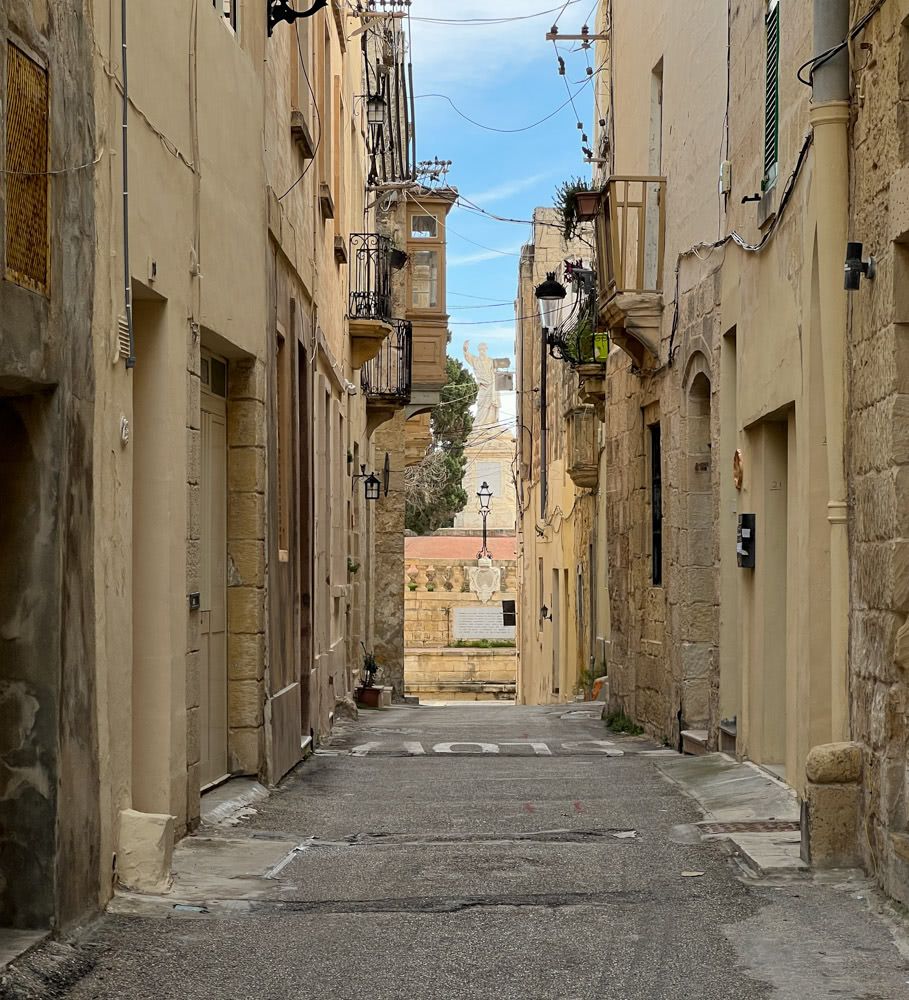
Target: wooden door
(213, 572)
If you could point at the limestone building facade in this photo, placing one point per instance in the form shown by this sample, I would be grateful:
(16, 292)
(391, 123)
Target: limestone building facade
(50, 818)
(561, 571)
(754, 425)
(197, 306)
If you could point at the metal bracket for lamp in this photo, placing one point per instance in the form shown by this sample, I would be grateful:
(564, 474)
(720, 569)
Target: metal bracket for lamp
(281, 10)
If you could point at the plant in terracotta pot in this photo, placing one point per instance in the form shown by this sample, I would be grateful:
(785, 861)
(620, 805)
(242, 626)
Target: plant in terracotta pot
(575, 201)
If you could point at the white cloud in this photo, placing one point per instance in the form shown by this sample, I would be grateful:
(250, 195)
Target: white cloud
(508, 188)
(481, 255)
(461, 53)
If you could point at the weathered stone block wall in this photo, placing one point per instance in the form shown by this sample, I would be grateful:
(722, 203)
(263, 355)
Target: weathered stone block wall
(662, 656)
(878, 447)
(461, 674)
(246, 594)
(388, 562)
(50, 856)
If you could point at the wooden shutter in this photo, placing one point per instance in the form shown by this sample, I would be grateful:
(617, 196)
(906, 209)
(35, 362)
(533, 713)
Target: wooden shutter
(772, 99)
(26, 171)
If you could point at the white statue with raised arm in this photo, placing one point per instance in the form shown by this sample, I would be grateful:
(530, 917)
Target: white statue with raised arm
(484, 370)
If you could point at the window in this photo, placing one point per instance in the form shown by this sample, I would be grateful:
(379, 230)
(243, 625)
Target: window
(772, 96)
(424, 227)
(509, 614)
(229, 9)
(26, 166)
(425, 280)
(656, 506)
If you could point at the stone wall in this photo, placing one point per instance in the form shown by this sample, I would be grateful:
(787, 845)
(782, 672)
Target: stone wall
(50, 855)
(434, 668)
(461, 674)
(662, 655)
(878, 448)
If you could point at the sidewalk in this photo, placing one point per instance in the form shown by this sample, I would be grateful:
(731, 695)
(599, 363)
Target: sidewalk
(755, 812)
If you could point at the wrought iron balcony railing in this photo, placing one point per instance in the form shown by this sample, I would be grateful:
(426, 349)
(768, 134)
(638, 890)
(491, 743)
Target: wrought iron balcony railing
(631, 236)
(371, 264)
(388, 377)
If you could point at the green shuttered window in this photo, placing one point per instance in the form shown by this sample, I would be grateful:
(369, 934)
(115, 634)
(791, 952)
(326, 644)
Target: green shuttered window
(772, 99)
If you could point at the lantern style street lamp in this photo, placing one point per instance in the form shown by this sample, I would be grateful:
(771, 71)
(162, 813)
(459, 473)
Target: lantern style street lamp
(372, 485)
(550, 294)
(375, 110)
(485, 495)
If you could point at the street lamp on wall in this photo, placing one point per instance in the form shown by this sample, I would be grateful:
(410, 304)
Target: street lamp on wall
(372, 485)
(485, 496)
(281, 10)
(550, 294)
(375, 110)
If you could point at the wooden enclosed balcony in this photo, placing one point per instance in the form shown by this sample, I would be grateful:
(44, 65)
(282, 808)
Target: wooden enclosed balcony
(583, 447)
(631, 243)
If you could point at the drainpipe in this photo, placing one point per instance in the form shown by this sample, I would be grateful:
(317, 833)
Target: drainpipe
(544, 430)
(829, 118)
(127, 276)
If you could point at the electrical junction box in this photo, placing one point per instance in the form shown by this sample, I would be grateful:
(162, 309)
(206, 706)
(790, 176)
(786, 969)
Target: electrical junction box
(725, 177)
(745, 541)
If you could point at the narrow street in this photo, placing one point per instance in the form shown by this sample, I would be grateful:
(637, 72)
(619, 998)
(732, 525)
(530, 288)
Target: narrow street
(481, 851)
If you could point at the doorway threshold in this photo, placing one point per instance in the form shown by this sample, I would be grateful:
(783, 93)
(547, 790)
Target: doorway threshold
(15, 943)
(228, 802)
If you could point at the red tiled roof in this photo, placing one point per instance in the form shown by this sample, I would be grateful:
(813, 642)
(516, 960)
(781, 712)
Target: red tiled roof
(457, 547)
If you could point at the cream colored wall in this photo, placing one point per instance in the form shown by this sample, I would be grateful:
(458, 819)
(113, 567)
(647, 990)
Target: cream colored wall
(565, 530)
(187, 189)
(774, 671)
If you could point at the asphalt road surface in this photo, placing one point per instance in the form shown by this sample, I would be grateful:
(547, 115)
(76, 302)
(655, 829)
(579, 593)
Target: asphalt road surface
(490, 852)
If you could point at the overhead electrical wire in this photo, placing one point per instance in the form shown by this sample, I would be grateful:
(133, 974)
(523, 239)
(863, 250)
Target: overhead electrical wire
(508, 131)
(315, 103)
(815, 62)
(482, 21)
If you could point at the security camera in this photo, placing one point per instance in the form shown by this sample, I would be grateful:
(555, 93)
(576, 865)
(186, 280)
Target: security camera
(856, 267)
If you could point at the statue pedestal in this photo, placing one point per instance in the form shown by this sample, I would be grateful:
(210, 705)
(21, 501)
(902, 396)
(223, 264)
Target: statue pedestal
(490, 454)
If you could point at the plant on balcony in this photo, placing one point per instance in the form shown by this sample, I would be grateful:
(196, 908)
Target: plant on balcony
(566, 204)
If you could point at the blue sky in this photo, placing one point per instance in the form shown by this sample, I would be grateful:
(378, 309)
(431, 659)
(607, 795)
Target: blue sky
(503, 75)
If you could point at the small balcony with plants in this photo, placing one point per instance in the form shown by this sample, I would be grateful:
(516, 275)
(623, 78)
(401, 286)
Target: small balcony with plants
(577, 338)
(629, 213)
(373, 259)
(387, 378)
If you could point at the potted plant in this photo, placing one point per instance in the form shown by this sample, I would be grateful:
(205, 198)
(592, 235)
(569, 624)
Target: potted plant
(576, 202)
(370, 667)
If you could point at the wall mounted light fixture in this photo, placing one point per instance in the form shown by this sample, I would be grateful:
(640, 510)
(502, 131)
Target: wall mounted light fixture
(281, 10)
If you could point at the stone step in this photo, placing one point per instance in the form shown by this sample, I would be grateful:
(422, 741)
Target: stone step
(694, 742)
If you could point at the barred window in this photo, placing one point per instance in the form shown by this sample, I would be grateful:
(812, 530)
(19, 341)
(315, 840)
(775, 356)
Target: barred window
(26, 171)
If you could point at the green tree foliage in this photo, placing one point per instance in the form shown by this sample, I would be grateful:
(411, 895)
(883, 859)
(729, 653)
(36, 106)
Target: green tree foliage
(434, 491)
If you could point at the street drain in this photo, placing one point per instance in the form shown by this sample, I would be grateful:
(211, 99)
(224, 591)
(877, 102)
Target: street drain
(751, 826)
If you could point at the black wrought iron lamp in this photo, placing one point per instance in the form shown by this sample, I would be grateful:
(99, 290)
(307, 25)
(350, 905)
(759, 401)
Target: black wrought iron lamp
(372, 485)
(485, 496)
(281, 10)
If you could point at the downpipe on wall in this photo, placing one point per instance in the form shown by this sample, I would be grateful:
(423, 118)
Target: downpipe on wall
(127, 272)
(829, 116)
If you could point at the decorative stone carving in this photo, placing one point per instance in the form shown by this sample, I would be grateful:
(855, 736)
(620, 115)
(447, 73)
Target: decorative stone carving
(485, 580)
